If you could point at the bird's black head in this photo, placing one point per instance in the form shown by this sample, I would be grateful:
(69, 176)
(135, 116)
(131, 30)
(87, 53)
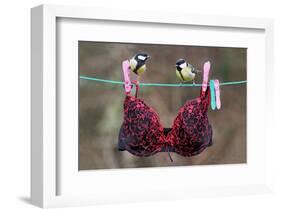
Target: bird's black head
(179, 64)
(142, 57)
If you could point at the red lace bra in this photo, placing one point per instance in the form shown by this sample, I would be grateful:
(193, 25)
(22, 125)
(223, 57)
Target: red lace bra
(142, 134)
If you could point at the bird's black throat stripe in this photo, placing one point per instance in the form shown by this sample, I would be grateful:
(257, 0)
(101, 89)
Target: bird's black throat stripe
(181, 75)
(139, 64)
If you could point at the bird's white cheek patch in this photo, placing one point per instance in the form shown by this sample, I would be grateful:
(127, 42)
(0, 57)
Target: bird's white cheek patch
(141, 57)
(183, 65)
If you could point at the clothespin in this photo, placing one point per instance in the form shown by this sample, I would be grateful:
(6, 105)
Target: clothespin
(206, 70)
(215, 94)
(217, 89)
(126, 74)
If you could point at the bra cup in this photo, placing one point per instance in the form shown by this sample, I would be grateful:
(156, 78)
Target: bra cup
(141, 132)
(192, 131)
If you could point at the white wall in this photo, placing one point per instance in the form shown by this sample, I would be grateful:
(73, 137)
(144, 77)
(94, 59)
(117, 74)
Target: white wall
(15, 99)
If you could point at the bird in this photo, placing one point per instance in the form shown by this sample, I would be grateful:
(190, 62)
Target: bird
(185, 71)
(137, 63)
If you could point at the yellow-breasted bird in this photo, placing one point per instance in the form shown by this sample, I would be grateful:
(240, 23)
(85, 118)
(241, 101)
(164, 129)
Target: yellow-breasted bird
(137, 63)
(185, 71)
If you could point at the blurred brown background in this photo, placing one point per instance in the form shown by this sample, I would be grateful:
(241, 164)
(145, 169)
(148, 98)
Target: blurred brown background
(101, 104)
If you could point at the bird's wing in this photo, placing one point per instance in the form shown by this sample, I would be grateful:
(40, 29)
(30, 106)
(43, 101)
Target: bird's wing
(192, 69)
(195, 71)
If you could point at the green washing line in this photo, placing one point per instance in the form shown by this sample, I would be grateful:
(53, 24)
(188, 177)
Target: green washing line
(158, 84)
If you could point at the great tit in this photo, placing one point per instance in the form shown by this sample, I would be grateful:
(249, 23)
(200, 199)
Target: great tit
(137, 63)
(185, 71)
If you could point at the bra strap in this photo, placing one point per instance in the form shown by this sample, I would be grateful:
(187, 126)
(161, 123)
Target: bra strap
(135, 82)
(126, 74)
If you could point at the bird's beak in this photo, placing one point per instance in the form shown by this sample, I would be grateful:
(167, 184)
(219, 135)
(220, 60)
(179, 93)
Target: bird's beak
(147, 57)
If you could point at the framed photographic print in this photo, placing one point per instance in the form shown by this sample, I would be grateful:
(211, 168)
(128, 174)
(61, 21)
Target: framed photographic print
(130, 106)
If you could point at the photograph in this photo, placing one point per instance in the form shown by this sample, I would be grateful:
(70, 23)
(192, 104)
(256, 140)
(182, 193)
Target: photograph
(145, 105)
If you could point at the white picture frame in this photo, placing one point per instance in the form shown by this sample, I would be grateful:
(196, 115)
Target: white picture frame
(45, 155)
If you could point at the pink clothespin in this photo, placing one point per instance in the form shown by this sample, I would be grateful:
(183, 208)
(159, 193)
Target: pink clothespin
(126, 73)
(217, 89)
(206, 69)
